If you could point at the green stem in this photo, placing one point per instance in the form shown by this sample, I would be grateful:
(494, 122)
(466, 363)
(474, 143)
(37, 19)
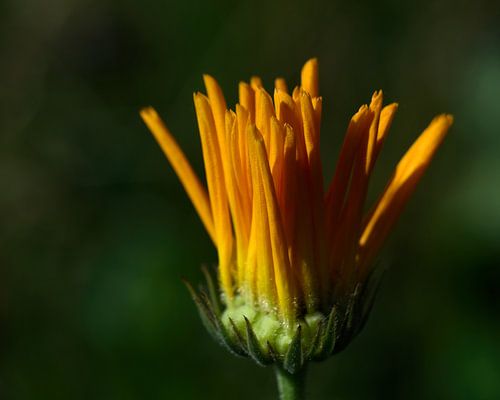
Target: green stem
(290, 387)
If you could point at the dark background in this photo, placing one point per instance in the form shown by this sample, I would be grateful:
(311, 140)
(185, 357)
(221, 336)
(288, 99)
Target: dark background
(96, 231)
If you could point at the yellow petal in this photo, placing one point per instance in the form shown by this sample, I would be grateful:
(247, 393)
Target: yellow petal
(194, 189)
(241, 219)
(247, 99)
(276, 142)
(260, 251)
(309, 77)
(338, 187)
(309, 124)
(315, 185)
(386, 116)
(318, 107)
(285, 108)
(288, 187)
(218, 105)
(399, 189)
(243, 120)
(216, 190)
(375, 107)
(280, 261)
(256, 83)
(280, 84)
(264, 112)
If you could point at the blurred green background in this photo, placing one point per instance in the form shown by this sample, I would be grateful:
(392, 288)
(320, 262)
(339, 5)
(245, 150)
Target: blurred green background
(96, 231)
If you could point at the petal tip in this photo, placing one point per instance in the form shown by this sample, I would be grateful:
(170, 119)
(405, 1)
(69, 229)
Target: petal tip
(311, 63)
(445, 120)
(148, 112)
(449, 118)
(208, 77)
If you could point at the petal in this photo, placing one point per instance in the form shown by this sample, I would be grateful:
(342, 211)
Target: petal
(216, 189)
(408, 172)
(309, 77)
(280, 261)
(280, 84)
(194, 188)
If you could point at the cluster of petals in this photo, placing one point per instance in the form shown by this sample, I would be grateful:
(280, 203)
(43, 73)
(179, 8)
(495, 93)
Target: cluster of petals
(286, 242)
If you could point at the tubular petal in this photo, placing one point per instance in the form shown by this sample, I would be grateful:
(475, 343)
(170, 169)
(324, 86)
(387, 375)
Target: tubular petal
(216, 189)
(309, 77)
(289, 187)
(243, 119)
(406, 176)
(194, 188)
(255, 83)
(315, 183)
(247, 99)
(238, 212)
(276, 151)
(345, 239)
(280, 84)
(264, 112)
(340, 181)
(279, 246)
(218, 105)
(375, 107)
(386, 116)
(285, 108)
(266, 286)
(318, 107)
(309, 124)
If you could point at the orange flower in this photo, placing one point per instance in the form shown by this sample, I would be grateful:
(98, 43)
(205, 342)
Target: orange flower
(287, 246)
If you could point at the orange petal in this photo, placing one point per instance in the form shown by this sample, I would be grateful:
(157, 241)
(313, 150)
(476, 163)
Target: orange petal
(216, 190)
(241, 221)
(386, 116)
(194, 188)
(261, 247)
(280, 261)
(399, 189)
(276, 150)
(218, 105)
(256, 83)
(318, 107)
(309, 77)
(375, 107)
(340, 181)
(280, 84)
(264, 111)
(288, 187)
(247, 99)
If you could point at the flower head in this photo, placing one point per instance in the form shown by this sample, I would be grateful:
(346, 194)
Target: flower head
(290, 248)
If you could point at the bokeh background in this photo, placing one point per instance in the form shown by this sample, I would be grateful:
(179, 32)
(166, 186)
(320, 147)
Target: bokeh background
(96, 231)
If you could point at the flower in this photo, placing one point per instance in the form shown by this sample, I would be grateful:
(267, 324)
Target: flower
(295, 257)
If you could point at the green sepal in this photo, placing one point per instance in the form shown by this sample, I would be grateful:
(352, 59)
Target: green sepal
(294, 358)
(253, 346)
(349, 322)
(329, 335)
(369, 294)
(228, 342)
(352, 314)
(273, 354)
(207, 315)
(328, 339)
(212, 322)
(239, 340)
(317, 342)
(212, 291)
